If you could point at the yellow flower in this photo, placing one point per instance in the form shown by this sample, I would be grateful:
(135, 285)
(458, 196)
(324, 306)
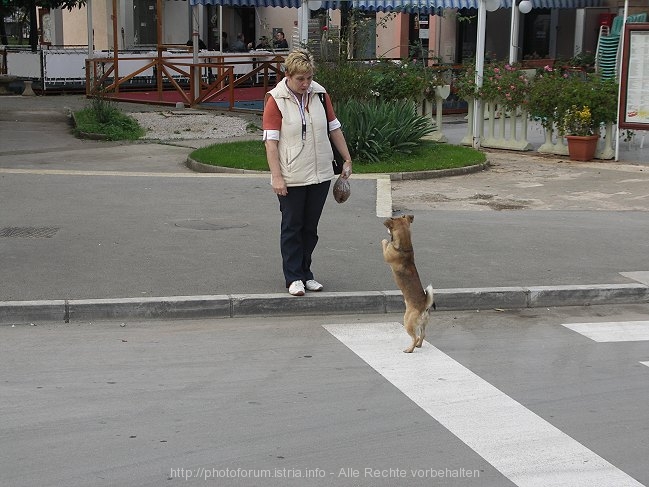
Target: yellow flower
(577, 121)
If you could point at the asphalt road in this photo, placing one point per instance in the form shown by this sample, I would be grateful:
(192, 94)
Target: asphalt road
(492, 399)
(130, 220)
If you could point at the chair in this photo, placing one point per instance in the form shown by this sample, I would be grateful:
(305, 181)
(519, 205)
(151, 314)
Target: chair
(607, 54)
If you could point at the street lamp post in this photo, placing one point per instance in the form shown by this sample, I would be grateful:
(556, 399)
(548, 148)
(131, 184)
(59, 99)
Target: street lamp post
(478, 116)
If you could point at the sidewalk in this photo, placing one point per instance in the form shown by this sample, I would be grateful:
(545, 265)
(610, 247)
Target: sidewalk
(126, 231)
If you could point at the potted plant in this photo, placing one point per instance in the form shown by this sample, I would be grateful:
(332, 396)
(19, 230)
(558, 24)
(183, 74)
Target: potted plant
(553, 93)
(580, 130)
(583, 89)
(535, 61)
(584, 61)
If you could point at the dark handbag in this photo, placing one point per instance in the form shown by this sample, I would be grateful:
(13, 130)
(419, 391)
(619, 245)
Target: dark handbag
(338, 160)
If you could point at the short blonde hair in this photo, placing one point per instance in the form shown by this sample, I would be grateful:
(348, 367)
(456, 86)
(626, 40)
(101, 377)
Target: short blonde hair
(299, 61)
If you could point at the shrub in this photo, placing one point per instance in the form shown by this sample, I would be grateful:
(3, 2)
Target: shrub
(553, 93)
(463, 84)
(102, 118)
(505, 84)
(103, 108)
(384, 79)
(344, 80)
(592, 91)
(544, 92)
(397, 81)
(501, 83)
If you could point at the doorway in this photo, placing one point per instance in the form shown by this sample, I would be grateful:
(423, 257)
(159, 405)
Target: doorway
(364, 45)
(248, 19)
(536, 38)
(145, 18)
(467, 33)
(418, 40)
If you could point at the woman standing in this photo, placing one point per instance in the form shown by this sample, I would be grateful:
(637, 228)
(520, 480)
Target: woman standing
(299, 157)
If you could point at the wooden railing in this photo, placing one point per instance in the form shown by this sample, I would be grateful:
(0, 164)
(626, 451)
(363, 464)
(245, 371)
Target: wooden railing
(213, 76)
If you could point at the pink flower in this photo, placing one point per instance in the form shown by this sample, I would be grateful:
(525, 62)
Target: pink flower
(325, 28)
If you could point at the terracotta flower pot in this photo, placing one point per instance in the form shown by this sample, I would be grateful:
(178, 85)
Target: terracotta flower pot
(582, 147)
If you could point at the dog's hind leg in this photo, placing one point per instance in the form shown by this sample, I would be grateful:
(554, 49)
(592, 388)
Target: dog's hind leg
(409, 324)
(422, 321)
(411, 348)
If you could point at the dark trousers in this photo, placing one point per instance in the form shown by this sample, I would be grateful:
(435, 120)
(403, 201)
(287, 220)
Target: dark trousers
(301, 209)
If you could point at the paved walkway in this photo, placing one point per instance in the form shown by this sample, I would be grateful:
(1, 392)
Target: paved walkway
(94, 230)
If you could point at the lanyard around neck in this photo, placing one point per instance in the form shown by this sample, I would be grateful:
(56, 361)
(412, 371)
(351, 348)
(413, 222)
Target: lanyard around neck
(300, 105)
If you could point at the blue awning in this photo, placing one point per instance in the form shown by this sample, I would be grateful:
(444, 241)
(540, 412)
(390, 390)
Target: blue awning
(249, 3)
(433, 6)
(404, 6)
(559, 3)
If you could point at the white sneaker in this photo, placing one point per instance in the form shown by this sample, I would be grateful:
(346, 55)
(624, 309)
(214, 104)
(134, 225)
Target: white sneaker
(296, 288)
(313, 285)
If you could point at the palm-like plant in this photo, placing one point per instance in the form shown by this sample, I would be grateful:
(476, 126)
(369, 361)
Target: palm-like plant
(374, 129)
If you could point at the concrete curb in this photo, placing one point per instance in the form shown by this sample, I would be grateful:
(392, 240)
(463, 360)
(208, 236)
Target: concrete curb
(438, 173)
(258, 305)
(208, 168)
(397, 176)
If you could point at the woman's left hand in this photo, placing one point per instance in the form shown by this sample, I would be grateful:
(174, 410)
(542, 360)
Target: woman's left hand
(347, 169)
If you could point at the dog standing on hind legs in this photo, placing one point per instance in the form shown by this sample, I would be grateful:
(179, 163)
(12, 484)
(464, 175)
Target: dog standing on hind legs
(399, 254)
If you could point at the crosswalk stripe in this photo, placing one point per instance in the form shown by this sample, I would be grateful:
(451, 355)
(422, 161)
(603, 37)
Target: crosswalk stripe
(640, 276)
(613, 331)
(522, 446)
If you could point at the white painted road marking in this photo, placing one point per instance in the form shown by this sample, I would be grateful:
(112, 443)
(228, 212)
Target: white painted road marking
(522, 446)
(139, 174)
(645, 363)
(383, 197)
(612, 331)
(640, 276)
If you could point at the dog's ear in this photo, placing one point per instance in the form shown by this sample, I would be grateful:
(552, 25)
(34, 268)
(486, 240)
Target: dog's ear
(388, 223)
(410, 218)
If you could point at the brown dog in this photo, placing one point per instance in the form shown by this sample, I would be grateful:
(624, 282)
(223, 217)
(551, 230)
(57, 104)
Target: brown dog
(401, 257)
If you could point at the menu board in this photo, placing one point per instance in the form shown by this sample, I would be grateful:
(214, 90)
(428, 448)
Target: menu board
(634, 96)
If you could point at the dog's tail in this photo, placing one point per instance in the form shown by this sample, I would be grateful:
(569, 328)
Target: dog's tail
(430, 300)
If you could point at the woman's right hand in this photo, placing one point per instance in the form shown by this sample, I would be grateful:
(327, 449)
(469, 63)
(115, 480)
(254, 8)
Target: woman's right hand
(279, 186)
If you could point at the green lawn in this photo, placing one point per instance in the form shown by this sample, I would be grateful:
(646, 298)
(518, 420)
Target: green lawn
(429, 155)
